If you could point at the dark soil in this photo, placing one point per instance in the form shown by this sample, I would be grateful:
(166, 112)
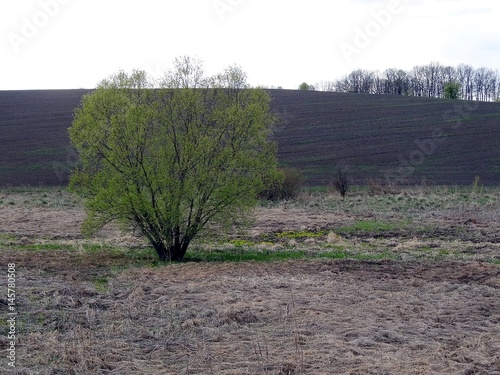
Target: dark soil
(376, 135)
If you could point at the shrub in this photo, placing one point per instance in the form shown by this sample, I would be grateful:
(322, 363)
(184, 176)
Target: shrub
(340, 182)
(286, 187)
(375, 187)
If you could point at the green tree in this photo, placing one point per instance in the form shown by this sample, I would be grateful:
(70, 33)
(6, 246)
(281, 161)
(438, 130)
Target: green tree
(452, 90)
(170, 160)
(306, 87)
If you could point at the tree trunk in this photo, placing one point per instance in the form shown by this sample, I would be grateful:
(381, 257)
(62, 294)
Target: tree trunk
(162, 251)
(178, 251)
(175, 253)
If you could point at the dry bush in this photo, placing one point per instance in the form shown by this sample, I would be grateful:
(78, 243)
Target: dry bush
(340, 182)
(376, 187)
(288, 187)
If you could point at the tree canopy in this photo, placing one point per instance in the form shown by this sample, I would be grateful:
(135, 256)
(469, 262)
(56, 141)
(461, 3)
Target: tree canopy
(171, 158)
(452, 90)
(304, 86)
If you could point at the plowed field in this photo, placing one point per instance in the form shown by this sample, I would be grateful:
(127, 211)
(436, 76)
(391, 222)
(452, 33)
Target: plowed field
(393, 139)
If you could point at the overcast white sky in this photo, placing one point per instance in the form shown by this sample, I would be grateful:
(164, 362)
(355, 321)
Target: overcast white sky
(55, 44)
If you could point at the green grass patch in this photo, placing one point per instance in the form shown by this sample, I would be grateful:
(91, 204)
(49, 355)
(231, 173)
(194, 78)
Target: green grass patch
(368, 226)
(269, 256)
(86, 247)
(39, 247)
(101, 283)
(6, 237)
(240, 243)
(242, 256)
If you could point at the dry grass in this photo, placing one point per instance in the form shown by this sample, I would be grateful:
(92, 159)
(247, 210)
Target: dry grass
(432, 310)
(296, 317)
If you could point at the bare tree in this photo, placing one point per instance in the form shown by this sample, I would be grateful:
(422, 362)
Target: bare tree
(326, 86)
(465, 75)
(341, 180)
(489, 86)
(497, 90)
(378, 83)
(418, 81)
(424, 80)
(358, 81)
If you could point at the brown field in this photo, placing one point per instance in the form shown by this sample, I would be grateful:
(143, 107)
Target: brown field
(404, 283)
(396, 139)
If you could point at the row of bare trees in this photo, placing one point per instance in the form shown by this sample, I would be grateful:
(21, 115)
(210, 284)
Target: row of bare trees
(481, 84)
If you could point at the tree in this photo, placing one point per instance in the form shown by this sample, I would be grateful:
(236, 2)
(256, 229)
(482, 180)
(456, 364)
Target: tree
(341, 180)
(452, 90)
(465, 77)
(170, 160)
(358, 81)
(326, 86)
(306, 87)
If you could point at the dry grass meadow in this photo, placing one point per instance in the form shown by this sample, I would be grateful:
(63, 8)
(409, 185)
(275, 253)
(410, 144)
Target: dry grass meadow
(400, 283)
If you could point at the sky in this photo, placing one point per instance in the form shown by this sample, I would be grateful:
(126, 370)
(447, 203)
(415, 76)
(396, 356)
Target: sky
(70, 44)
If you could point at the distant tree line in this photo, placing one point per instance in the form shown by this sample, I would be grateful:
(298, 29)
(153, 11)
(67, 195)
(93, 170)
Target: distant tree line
(433, 80)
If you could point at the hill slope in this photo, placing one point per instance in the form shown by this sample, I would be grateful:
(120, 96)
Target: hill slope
(402, 139)
(391, 138)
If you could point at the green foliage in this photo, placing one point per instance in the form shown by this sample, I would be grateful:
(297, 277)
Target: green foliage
(306, 87)
(170, 160)
(286, 186)
(367, 226)
(452, 90)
